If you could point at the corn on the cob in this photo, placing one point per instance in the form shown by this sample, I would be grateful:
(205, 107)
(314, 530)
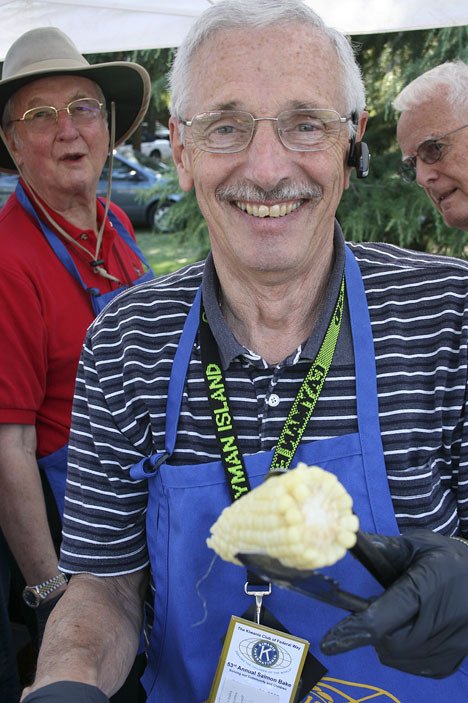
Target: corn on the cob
(303, 518)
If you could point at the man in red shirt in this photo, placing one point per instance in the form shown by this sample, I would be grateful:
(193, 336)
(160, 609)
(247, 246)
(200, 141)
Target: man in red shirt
(65, 254)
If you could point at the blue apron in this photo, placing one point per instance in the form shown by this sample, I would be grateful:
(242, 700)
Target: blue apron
(55, 465)
(195, 598)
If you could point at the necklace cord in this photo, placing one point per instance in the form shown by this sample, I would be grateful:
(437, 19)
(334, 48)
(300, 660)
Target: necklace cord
(95, 263)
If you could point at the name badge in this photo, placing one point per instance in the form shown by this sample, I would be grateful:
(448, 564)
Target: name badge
(258, 665)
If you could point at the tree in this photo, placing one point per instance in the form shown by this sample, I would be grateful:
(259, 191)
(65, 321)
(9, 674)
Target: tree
(382, 207)
(156, 62)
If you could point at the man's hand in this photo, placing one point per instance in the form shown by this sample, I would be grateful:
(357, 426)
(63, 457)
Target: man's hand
(420, 624)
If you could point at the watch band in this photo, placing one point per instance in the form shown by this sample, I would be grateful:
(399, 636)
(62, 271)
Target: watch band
(34, 595)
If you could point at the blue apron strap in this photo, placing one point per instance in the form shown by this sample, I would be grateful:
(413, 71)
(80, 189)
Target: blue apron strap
(148, 466)
(179, 371)
(125, 235)
(57, 245)
(55, 468)
(363, 344)
(367, 398)
(98, 300)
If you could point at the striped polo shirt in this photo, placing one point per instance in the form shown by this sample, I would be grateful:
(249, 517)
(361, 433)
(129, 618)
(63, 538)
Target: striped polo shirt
(419, 317)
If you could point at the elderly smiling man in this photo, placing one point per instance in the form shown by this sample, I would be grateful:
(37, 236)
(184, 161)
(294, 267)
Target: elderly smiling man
(267, 124)
(433, 135)
(64, 256)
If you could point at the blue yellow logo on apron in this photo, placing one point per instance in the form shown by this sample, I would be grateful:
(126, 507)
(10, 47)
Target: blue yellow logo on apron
(336, 691)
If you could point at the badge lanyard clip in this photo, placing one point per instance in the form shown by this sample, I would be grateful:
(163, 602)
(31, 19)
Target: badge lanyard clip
(258, 591)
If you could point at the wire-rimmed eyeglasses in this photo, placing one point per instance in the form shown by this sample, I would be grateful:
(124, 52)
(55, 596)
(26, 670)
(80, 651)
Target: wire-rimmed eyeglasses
(430, 151)
(230, 131)
(81, 111)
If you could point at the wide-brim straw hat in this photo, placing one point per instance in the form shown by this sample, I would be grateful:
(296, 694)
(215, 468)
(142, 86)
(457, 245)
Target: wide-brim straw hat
(47, 51)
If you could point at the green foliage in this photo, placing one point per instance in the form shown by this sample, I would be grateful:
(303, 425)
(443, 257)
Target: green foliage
(382, 207)
(157, 63)
(166, 252)
(183, 216)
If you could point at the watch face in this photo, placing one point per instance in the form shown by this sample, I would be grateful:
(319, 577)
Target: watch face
(31, 597)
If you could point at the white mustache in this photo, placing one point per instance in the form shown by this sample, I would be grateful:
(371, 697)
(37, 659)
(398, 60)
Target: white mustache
(281, 192)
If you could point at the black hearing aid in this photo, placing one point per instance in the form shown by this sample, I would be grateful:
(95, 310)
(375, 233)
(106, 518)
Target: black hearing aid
(359, 157)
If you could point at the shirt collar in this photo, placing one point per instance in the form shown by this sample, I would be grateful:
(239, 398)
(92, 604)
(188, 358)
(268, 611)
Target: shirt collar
(75, 232)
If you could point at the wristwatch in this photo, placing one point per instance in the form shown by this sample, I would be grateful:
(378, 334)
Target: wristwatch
(34, 595)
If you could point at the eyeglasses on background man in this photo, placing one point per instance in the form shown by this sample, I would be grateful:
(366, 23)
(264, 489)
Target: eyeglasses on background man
(81, 111)
(430, 151)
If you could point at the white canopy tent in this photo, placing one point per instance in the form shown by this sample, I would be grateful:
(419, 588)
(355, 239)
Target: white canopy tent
(119, 25)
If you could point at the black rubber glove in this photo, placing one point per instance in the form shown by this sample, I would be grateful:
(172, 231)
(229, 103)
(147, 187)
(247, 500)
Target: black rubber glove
(420, 624)
(67, 692)
(42, 615)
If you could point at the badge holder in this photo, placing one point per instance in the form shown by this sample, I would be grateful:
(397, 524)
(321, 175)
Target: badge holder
(258, 665)
(261, 662)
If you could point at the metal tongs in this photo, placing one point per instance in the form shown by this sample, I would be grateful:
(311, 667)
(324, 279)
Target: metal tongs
(317, 585)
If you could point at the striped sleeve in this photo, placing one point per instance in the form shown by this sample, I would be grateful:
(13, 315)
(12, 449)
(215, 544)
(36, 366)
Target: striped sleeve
(105, 509)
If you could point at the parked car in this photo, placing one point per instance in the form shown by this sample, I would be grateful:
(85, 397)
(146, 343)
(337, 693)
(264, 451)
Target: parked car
(155, 142)
(132, 174)
(159, 149)
(7, 185)
(159, 131)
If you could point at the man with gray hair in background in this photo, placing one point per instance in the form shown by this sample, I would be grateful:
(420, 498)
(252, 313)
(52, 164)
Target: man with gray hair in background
(433, 135)
(268, 117)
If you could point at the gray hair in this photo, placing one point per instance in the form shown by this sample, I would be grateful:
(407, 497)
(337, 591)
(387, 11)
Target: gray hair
(8, 115)
(9, 127)
(245, 14)
(450, 79)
